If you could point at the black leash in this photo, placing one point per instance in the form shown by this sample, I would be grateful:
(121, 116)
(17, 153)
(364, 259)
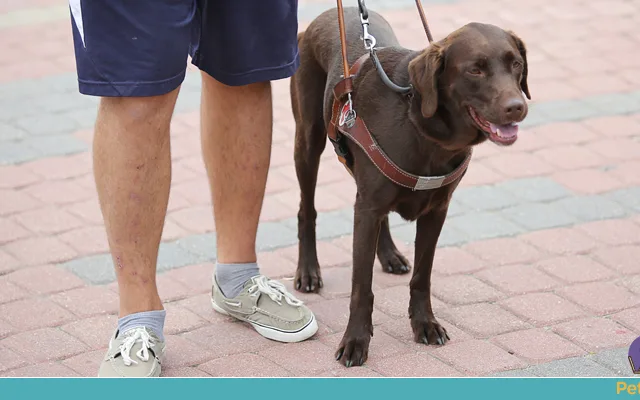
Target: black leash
(370, 45)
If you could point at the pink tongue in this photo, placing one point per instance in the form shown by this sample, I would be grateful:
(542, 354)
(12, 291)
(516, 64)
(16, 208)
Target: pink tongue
(506, 131)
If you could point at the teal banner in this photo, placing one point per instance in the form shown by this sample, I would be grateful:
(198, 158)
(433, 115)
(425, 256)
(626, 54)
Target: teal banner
(321, 388)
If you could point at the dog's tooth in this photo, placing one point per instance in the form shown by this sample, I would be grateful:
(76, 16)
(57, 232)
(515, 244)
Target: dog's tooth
(498, 132)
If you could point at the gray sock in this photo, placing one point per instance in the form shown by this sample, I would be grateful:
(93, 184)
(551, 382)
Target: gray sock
(232, 277)
(153, 320)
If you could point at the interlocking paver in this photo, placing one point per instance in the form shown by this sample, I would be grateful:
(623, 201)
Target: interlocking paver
(33, 313)
(595, 334)
(560, 240)
(477, 357)
(484, 319)
(88, 301)
(576, 269)
(542, 309)
(518, 279)
(248, 364)
(538, 345)
(504, 251)
(610, 297)
(65, 345)
(623, 259)
(95, 331)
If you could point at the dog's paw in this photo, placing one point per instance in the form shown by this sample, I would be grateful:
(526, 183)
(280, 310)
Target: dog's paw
(353, 351)
(429, 332)
(308, 281)
(394, 262)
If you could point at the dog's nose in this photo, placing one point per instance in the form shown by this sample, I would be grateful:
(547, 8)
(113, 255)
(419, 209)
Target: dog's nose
(513, 108)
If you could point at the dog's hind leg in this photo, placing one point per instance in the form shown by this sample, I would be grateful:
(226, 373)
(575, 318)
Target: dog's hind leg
(390, 258)
(307, 96)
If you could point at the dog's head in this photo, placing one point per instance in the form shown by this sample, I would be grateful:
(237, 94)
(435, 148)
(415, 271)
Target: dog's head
(478, 73)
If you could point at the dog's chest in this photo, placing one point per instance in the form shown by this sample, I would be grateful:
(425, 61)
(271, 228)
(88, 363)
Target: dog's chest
(413, 204)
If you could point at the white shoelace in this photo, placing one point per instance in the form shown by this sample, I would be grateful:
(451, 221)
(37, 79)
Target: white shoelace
(274, 289)
(138, 335)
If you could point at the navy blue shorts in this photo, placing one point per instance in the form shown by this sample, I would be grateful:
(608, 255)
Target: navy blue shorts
(140, 47)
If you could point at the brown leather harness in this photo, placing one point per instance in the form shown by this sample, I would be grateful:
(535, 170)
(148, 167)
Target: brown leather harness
(345, 123)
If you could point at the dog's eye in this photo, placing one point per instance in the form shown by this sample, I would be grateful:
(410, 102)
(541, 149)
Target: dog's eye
(475, 71)
(516, 64)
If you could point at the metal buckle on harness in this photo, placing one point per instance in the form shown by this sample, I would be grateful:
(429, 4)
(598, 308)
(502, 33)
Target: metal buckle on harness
(347, 114)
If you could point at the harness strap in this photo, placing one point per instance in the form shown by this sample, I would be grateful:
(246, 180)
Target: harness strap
(357, 131)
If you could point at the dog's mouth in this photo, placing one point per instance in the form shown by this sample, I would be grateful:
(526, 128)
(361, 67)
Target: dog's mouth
(504, 135)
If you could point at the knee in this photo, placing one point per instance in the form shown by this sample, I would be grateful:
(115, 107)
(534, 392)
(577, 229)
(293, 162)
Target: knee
(151, 114)
(251, 90)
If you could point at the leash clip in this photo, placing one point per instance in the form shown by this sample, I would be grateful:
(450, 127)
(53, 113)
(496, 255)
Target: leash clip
(347, 114)
(368, 39)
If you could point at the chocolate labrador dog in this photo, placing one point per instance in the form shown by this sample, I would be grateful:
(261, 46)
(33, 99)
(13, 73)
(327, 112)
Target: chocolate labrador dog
(467, 87)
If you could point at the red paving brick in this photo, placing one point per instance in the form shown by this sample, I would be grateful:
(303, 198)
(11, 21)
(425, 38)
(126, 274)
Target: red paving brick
(629, 318)
(86, 364)
(221, 339)
(463, 289)
(542, 309)
(595, 334)
(610, 298)
(37, 346)
(560, 241)
(40, 250)
(48, 220)
(180, 319)
(517, 279)
(453, 260)
(571, 157)
(33, 313)
(613, 232)
(46, 369)
(504, 251)
(537, 345)
(588, 181)
(477, 357)
(275, 264)
(243, 365)
(60, 192)
(575, 269)
(623, 259)
(10, 231)
(9, 291)
(13, 202)
(519, 165)
(190, 372)
(61, 167)
(95, 332)
(335, 314)
(13, 177)
(413, 365)
(87, 241)
(302, 359)
(194, 219)
(484, 319)
(45, 279)
(10, 360)
(88, 301)
(195, 278)
(181, 352)
(563, 133)
(171, 290)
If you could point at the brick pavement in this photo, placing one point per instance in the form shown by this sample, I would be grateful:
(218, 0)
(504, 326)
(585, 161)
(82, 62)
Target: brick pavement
(536, 271)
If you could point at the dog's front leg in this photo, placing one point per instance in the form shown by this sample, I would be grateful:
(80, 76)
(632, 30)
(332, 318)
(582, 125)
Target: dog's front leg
(426, 328)
(354, 347)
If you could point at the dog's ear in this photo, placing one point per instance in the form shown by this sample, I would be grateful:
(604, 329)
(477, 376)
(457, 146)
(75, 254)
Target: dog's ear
(525, 69)
(423, 73)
